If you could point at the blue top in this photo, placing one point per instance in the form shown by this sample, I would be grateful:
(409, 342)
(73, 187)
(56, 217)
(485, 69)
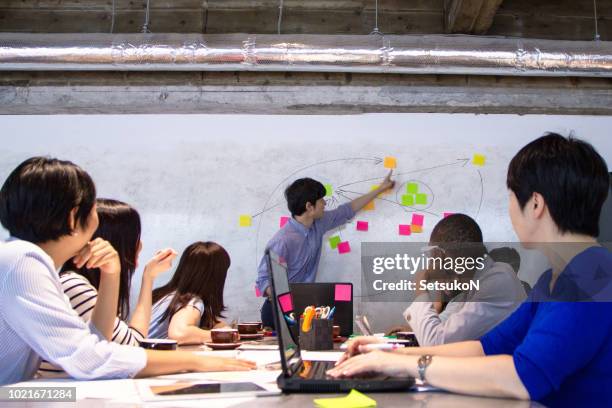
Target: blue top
(300, 247)
(562, 350)
(158, 328)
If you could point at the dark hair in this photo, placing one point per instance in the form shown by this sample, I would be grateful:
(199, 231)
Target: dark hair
(37, 197)
(571, 176)
(458, 235)
(120, 226)
(302, 191)
(201, 272)
(507, 255)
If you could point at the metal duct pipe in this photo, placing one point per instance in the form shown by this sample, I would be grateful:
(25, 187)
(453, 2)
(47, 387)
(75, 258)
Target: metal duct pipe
(422, 54)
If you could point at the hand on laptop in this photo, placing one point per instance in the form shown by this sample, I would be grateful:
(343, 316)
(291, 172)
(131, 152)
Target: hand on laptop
(391, 364)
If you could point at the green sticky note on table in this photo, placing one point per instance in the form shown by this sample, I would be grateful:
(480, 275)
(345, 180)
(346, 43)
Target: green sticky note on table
(334, 241)
(408, 200)
(421, 199)
(412, 188)
(354, 399)
(329, 190)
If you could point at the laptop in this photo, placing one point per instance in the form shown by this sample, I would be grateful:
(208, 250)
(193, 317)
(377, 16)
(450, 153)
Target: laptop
(333, 294)
(310, 376)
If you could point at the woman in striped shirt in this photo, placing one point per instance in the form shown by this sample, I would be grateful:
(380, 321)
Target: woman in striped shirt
(92, 294)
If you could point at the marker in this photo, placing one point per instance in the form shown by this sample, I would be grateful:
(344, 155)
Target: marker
(380, 346)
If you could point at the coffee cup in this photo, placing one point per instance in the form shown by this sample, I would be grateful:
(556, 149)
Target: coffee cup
(224, 335)
(336, 331)
(249, 328)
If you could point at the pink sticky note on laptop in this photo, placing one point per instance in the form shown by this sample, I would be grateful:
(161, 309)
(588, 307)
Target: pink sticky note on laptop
(286, 303)
(344, 247)
(283, 221)
(343, 293)
(362, 225)
(404, 229)
(417, 219)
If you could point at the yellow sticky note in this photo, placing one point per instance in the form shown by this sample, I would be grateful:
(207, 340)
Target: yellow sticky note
(369, 206)
(245, 220)
(416, 228)
(354, 399)
(479, 160)
(390, 162)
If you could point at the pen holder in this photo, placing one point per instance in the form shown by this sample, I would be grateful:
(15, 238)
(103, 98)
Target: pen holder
(319, 337)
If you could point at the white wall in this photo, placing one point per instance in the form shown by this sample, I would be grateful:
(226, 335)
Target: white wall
(191, 176)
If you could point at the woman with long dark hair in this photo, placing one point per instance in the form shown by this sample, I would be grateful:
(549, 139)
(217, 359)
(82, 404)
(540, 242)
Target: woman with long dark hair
(191, 303)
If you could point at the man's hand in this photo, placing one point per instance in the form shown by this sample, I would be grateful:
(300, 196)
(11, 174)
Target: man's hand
(396, 329)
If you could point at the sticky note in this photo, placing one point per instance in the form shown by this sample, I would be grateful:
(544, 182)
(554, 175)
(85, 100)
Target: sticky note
(362, 225)
(421, 199)
(412, 188)
(417, 219)
(344, 247)
(404, 229)
(408, 200)
(479, 160)
(369, 206)
(446, 214)
(329, 190)
(354, 399)
(343, 292)
(283, 221)
(257, 292)
(334, 241)
(416, 228)
(390, 162)
(286, 302)
(245, 220)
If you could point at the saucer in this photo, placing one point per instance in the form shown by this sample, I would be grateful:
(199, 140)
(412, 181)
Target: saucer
(255, 336)
(222, 346)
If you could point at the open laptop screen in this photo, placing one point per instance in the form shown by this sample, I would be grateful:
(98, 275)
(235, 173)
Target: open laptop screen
(282, 309)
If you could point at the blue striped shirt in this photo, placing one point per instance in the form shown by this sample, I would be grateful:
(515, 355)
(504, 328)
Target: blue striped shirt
(37, 321)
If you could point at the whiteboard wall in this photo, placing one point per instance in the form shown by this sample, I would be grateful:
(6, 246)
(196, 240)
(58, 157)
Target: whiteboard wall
(192, 176)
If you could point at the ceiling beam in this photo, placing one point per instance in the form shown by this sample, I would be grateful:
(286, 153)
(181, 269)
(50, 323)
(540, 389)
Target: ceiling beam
(470, 16)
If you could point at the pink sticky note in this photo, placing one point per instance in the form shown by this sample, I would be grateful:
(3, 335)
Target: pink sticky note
(446, 214)
(257, 292)
(344, 247)
(404, 229)
(417, 219)
(286, 303)
(343, 293)
(283, 221)
(362, 225)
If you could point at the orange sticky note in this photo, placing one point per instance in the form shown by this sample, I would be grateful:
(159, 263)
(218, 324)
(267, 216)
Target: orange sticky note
(369, 206)
(390, 162)
(416, 228)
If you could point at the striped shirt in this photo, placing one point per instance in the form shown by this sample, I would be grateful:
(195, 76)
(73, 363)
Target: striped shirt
(83, 297)
(37, 321)
(158, 329)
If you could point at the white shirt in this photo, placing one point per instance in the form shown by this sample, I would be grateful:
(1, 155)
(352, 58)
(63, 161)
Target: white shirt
(37, 321)
(470, 314)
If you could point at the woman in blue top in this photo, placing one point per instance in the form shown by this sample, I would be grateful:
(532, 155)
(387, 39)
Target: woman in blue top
(557, 347)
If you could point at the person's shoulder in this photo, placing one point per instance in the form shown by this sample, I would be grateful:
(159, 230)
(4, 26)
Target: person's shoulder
(14, 251)
(499, 271)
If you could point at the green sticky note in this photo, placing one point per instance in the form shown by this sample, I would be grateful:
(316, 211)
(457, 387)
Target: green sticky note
(354, 399)
(334, 241)
(408, 200)
(421, 199)
(412, 188)
(329, 190)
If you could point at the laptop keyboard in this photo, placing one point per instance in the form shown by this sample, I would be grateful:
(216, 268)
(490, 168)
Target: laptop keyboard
(316, 370)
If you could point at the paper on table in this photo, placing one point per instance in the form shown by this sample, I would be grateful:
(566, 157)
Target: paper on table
(321, 355)
(354, 399)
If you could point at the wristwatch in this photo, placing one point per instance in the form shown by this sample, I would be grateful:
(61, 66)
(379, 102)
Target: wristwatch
(424, 362)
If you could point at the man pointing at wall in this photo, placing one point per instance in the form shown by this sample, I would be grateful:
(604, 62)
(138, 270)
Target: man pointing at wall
(299, 241)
